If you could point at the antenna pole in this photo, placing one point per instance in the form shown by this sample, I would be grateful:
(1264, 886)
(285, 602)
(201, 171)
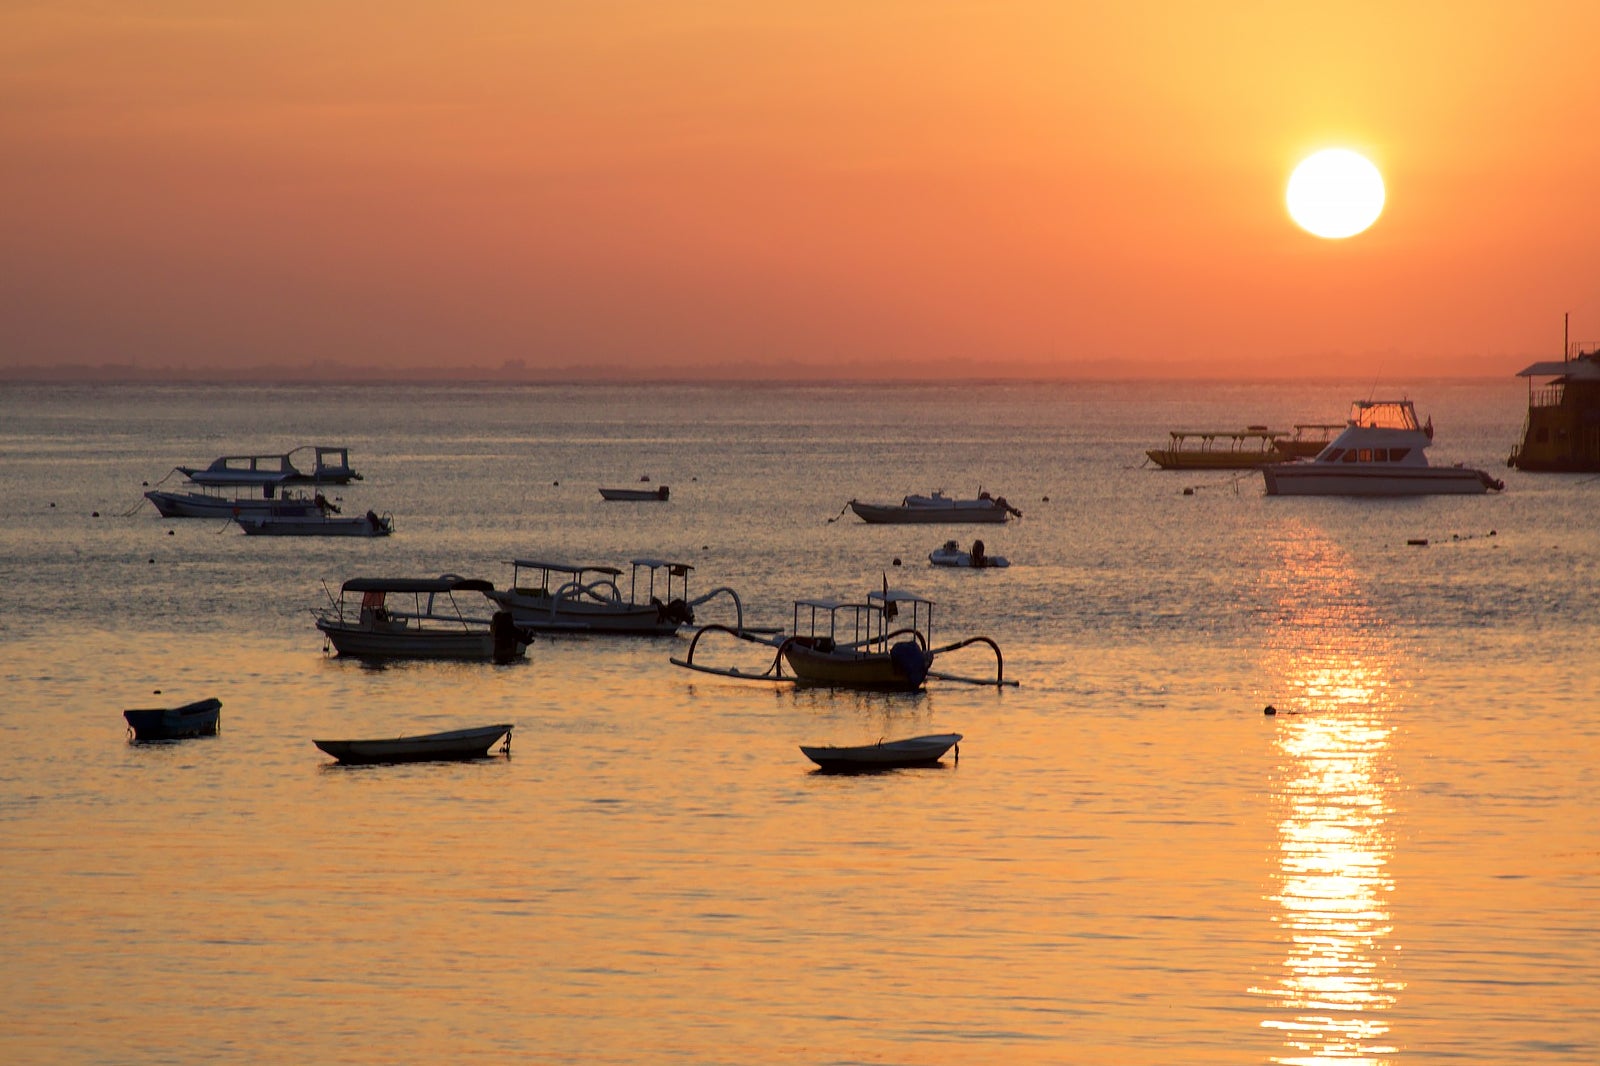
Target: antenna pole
(1566, 336)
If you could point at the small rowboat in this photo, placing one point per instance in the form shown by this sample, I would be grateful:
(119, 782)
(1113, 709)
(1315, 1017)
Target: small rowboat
(197, 719)
(886, 754)
(427, 747)
(658, 493)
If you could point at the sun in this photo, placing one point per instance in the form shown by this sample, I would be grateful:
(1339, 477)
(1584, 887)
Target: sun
(1335, 193)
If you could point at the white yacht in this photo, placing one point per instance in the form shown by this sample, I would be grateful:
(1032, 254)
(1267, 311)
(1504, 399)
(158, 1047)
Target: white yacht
(1380, 453)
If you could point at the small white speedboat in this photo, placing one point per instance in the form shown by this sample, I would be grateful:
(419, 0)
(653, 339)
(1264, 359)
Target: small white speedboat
(977, 559)
(886, 754)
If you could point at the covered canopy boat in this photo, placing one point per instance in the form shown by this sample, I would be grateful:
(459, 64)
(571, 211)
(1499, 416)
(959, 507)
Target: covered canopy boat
(882, 644)
(1219, 449)
(559, 597)
(330, 466)
(423, 620)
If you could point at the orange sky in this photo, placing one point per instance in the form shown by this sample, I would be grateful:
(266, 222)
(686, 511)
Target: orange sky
(863, 188)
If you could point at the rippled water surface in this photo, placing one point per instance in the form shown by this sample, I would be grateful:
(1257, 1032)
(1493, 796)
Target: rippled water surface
(1129, 863)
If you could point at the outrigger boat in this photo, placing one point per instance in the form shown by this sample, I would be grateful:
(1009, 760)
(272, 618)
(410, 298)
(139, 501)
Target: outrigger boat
(852, 645)
(587, 598)
(567, 598)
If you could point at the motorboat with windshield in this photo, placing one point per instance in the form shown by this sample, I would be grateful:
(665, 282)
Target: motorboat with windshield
(1380, 453)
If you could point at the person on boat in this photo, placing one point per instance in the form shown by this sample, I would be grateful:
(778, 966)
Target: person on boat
(978, 557)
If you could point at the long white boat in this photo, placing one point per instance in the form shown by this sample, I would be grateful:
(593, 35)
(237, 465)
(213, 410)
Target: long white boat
(936, 508)
(1380, 453)
(454, 744)
(422, 620)
(214, 502)
(330, 466)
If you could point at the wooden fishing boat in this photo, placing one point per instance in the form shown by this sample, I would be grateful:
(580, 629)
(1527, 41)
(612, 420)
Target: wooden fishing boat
(883, 644)
(1219, 449)
(456, 744)
(417, 618)
(885, 754)
(197, 719)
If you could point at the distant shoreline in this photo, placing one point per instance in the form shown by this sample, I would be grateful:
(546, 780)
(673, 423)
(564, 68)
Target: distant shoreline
(964, 373)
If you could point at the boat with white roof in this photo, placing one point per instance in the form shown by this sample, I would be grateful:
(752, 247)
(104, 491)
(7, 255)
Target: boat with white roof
(558, 597)
(1380, 453)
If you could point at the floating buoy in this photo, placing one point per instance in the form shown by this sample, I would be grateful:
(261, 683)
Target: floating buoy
(1044, 499)
(52, 503)
(169, 532)
(1418, 542)
(897, 560)
(94, 514)
(1188, 491)
(1269, 709)
(555, 483)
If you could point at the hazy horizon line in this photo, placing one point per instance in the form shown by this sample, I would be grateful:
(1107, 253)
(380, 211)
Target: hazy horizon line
(896, 373)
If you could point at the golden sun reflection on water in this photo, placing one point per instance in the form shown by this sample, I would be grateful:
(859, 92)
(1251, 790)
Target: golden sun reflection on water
(1335, 657)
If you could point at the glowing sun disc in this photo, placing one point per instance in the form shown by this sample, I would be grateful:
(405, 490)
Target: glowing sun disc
(1335, 193)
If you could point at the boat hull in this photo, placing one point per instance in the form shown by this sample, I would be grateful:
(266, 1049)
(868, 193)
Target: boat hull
(313, 526)
(901, 515)
(874, 671)
(199, 505)
(535, 613)
(636, 495)
(198, 719)
(884, 755)
(455, 745)
(1168, 459)
(371, 642)
(1328, 479)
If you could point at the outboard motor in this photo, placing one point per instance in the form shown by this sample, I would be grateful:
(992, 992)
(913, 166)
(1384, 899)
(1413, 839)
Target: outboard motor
(909, 660)
(506, 636)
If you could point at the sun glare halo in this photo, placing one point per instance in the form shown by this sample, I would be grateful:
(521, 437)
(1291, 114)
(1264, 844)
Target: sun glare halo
(1335, 193)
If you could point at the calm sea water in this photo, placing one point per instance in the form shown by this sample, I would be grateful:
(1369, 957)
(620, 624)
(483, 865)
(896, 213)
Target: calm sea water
(1130, 863)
